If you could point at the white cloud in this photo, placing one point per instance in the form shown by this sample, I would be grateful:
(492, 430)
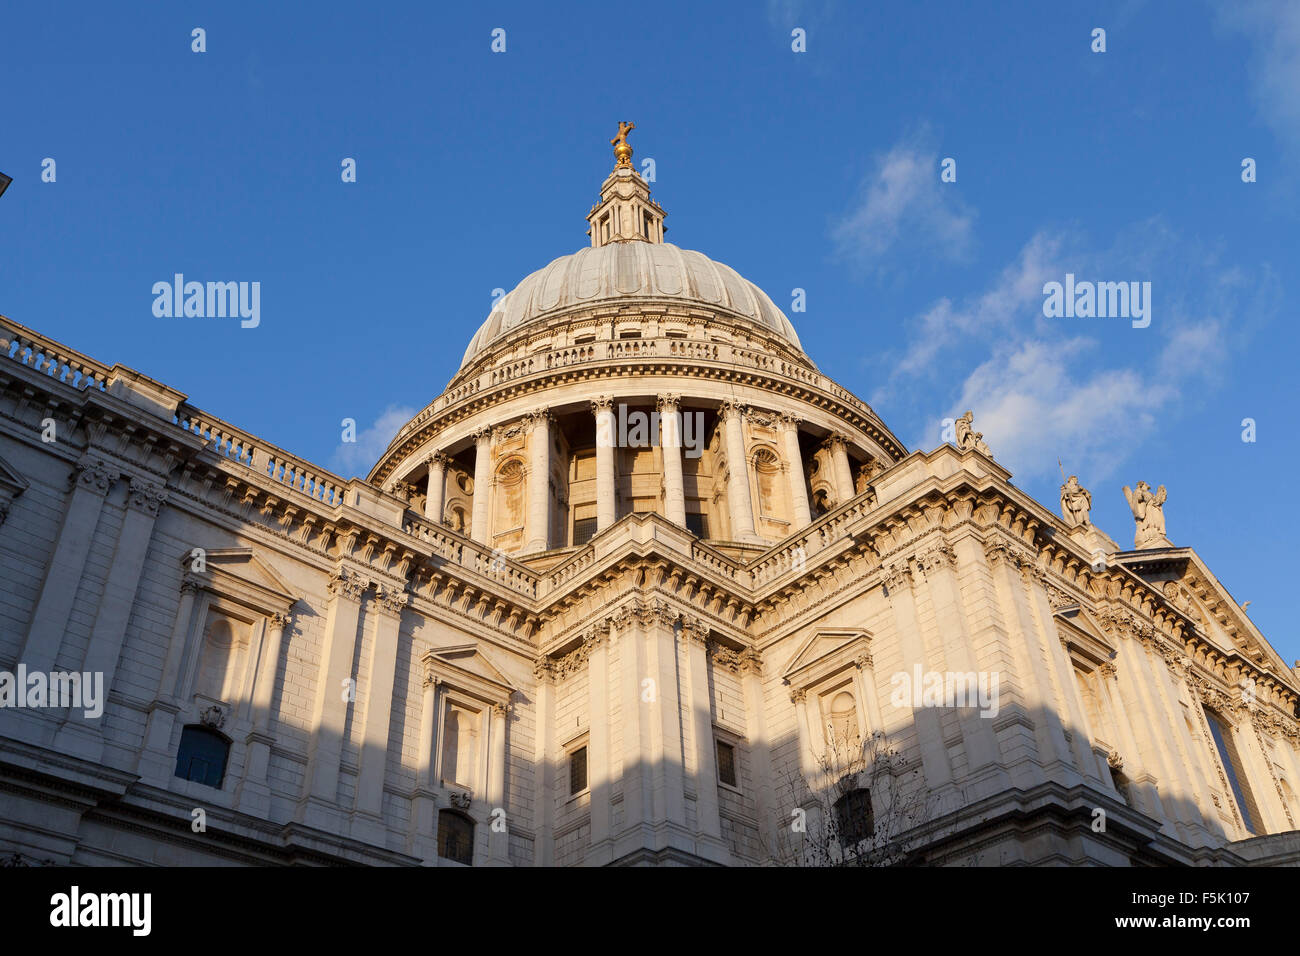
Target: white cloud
(1274, 28)
(357, 458)
(903, 205)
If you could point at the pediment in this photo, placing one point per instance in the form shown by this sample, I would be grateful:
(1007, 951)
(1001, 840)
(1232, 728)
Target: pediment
(468, 668)
(825, 653)
(1083, 635)
(241, 575)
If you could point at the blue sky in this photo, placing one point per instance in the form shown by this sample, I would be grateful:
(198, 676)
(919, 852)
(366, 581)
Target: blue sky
(816, 170)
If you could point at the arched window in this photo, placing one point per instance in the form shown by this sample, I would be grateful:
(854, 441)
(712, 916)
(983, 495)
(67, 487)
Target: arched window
(844, 724)
(853, 817)
(767, 472)
(509, 499)
(821, 503)
(202, 756)
(221, 663)
(455, 837)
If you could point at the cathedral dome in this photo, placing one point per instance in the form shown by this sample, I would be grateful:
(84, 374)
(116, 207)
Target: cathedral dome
(624, 272)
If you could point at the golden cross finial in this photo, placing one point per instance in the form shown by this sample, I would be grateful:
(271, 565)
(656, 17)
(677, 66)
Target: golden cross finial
(622, 149)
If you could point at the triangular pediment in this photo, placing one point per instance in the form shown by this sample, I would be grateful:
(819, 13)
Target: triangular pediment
(826, 652)
(12, 484)
(240, 574)
(1083, 634)
(468, 668)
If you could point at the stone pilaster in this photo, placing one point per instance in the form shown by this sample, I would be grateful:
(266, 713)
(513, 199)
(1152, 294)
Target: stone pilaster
(498, 818)
(253, 793)
(367, 818)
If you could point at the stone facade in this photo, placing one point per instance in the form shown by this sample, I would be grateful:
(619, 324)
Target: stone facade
(641, 586)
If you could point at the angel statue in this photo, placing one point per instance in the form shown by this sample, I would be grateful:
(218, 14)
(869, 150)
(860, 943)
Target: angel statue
(1076, 503)
(1148, 512)
(968, 439)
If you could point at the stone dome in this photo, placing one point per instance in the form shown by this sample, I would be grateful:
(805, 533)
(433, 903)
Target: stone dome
(629, 271)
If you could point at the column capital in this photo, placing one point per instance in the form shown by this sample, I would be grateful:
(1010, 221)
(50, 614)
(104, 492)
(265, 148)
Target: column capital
(346, 583)
(278, 619)
(897, 576)
(146, 496)
(731, 408)
(538, 416)
(483, 436)
(835, 439)
(500, 709)
(390, 600)
(95, 474)
(437, 459)
(602, 403)
(668, 403)
(788, 420)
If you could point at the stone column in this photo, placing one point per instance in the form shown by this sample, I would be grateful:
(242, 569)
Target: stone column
(670, 425)
(1142, 786)
(318, 806)
(78, 736)
(606, 441)
(638, 799)
(253, 794)
(92, 478)
(539, 481)
(422, 840)
(368, 821)
(479, 530)
(655, 621)
(435, 494)
(498, 823)
(707, 818)
(738, 497)
(839, 447)
(789, 426)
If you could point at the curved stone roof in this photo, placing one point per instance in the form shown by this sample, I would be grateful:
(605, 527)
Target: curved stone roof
(630, 270)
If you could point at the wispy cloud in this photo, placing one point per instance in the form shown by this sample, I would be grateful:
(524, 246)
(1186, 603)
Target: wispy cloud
(1090, 390)
(903, 207)
(357, 458)
(1273, 26)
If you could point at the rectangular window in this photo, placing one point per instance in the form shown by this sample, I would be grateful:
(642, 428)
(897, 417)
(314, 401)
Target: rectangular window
(696, 525)
(1232, 766)
(727, 764)
(584, 529)
(578, 771)
(629, 335)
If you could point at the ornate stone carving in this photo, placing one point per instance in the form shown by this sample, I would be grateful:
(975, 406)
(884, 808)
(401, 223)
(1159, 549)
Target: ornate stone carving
(897, 576)
(145, 496)
(1107, 670)
(668, 404)
(390, 599)
(1076, 503)
(347, 584)
(543, 669)
(751, 662)
(459, 799)
(1148, 512)
(1115, 761)
(723, 657)
(937, 557)
(967, 438)
(278, 619)
(213, 717)
(798, 695)
(500, 709)
(602, 404)
(95, 474)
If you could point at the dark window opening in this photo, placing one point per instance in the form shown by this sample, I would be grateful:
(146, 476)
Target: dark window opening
(697, 525)
(629, 335)
(584, 529)
(455, 837)
(578, 771)
(727, 764)
(202, 756)
(853, 817)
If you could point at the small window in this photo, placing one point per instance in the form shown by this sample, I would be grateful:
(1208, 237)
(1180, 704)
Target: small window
(604, 229)
(578, 771)
(202, 756)
(629, 335)
(853, 817)
(727, 764)
(584, 339)
(584, 529)
(1232, 766)
(455, 837)
(697, 525)
(675, 335)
